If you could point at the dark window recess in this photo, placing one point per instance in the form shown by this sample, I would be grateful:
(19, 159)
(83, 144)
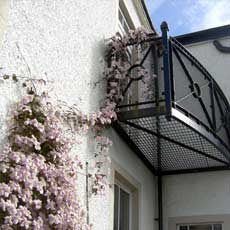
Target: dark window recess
(201, 227)
(183, 227)
(217, 226)
(116, 207)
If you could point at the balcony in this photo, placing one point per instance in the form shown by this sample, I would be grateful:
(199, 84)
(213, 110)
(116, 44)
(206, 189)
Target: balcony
(184, 125)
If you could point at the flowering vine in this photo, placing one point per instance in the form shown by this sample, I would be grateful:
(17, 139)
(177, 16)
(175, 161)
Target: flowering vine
(38, 175)
(120, 65)
(116, 71)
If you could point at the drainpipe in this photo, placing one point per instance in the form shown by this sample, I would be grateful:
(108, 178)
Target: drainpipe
(159, 178)
(87, 192)
(160, 203)
(166, 68)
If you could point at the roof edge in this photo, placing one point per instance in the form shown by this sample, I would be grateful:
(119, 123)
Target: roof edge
(147, 15)
(144, 15)
(204, 35)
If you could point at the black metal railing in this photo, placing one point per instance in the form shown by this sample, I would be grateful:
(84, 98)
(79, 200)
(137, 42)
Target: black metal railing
(185, 124)
(184, 127)
(193, 91)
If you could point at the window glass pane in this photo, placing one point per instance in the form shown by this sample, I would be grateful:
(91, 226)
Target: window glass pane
(120, 17)
(217, 227)
(124, 210)
(201, 227)
(183, 227)
(126, 27)
(116, 207)
(123, 21)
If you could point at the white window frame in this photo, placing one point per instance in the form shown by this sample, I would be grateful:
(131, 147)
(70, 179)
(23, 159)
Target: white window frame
(120, 176)
(126, 18)
(122, 23)
(223, 219)
(189, 225)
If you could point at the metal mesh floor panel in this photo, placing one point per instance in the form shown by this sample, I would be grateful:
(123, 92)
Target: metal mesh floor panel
(173, 156)
(145, 142)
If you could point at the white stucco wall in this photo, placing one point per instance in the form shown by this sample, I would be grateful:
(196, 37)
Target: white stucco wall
(4, 9)
(214, 61)
(196, 195)
(63, 42)
(201, 193)
(122, 154)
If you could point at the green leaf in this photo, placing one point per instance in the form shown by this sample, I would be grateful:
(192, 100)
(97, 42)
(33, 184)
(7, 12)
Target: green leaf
(14, 77)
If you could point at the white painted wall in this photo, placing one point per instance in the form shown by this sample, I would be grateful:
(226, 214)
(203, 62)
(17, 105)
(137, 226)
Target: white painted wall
(4, 9)
(122, 154)
(196, 194)
(63, 42)
(201, 193)
(214, 61)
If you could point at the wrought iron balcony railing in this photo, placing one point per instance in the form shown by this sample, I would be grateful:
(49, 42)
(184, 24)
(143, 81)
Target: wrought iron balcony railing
(184, 126)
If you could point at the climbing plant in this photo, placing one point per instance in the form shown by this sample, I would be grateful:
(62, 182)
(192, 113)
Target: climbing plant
(38, 173)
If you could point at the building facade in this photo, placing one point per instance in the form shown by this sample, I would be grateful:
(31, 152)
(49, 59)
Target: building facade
(64, 43)
(202, 197)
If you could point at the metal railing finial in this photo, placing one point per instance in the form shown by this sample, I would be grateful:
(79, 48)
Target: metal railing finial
(164, 26)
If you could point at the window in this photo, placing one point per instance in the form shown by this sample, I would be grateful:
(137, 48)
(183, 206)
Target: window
(126, 210)
(124, 26)
(200, 227)
(122, 208)
(125, 21)
(199, 222)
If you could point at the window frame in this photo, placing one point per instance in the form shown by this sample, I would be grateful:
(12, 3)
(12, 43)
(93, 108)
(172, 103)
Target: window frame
(122, 24)
(123, 187)
(121, 176)
(199, 224)
(131, 96)
(127, 19)
(223, 219)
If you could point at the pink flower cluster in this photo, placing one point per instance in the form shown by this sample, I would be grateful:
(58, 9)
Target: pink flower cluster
(38, 177)
(119, 64)
(102, 160)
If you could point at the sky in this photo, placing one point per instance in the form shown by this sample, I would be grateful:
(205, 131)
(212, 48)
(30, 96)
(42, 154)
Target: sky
(185, 16)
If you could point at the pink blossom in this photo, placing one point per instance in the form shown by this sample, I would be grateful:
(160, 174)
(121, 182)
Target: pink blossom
(37, 204)
(35, 124)
(40, 181)
(27, 99)
(4, 190)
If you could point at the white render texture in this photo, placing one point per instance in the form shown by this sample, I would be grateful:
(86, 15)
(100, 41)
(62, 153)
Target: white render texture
(196, 194)
(4, 4)
(214, 61)
(63, 42)
(201, 193)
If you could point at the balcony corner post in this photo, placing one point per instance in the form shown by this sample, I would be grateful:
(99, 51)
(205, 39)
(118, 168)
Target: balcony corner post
(166, 68)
